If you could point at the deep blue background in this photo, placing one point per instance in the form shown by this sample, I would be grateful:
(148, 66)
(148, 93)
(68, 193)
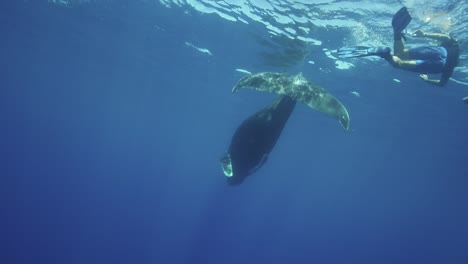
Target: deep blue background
(112, 127)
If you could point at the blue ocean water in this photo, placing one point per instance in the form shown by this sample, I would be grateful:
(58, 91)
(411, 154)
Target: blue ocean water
(115, 114)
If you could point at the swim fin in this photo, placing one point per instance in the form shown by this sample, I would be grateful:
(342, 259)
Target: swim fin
(363, 51)
(400, 21)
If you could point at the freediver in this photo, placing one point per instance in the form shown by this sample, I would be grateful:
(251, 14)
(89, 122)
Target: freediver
(441, 59)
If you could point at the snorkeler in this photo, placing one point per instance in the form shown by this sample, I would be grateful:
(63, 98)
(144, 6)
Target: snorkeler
(426, 59)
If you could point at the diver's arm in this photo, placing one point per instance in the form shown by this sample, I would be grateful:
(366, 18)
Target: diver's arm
(443, 79)
(436, 36)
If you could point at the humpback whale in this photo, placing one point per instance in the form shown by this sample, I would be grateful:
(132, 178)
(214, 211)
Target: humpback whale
(298, 88)
(255, 138)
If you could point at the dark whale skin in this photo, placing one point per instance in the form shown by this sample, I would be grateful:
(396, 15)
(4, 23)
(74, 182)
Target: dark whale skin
(255, 138)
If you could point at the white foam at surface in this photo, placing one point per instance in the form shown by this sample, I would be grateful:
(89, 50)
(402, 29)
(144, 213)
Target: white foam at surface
(367, 21)
(310, 41)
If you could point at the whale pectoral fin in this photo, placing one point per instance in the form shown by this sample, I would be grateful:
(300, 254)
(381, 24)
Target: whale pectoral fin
(298, 88)
(334, 108)
(321, 100)
(264, 81)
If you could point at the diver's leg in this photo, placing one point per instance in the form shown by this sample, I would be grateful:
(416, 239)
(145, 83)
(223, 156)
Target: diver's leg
(400, 21)
(421, 59)
(395, 61)
(399, 48)
(409, 65)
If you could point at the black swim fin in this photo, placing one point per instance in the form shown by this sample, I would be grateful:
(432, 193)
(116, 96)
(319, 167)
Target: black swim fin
(400, 21)
(363, 51)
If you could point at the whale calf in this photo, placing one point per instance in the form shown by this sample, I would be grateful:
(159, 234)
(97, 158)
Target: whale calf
(255, 138)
